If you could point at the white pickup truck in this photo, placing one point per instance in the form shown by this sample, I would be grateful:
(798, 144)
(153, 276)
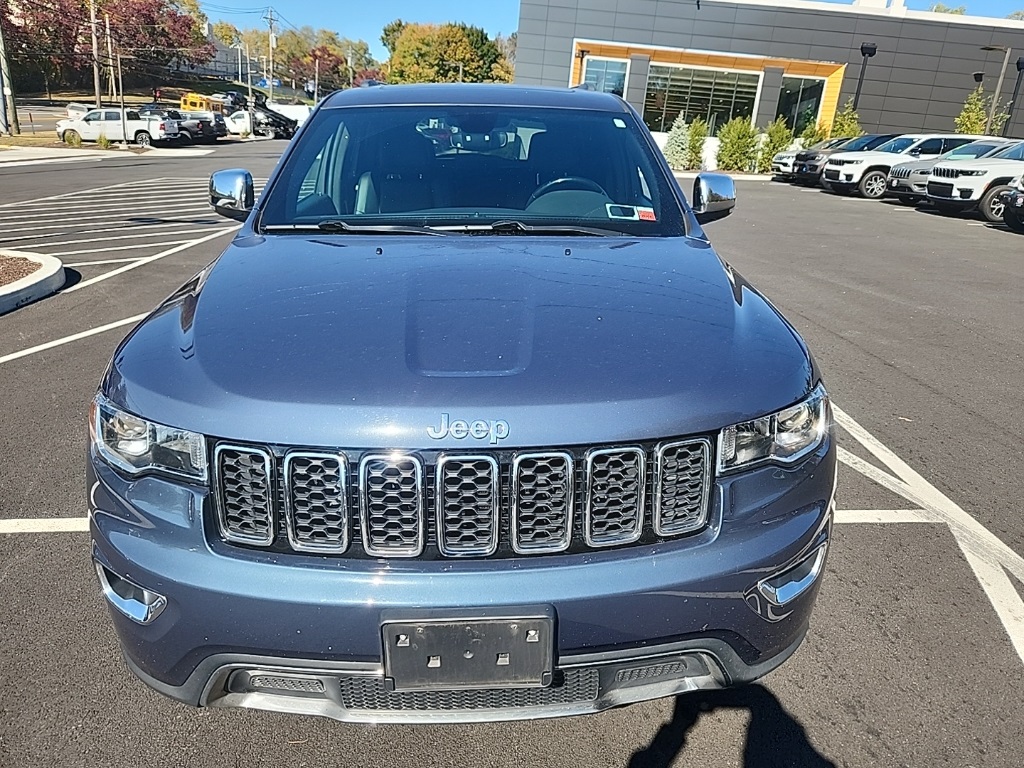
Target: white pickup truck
(107, 122)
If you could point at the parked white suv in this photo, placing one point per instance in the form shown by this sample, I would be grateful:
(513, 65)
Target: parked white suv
(107, 122)
(867, 172)
(967, 185)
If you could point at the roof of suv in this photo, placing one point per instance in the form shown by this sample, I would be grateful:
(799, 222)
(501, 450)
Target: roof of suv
(476, 93)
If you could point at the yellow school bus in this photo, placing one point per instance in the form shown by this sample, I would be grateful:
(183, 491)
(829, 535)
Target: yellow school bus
(197, 102)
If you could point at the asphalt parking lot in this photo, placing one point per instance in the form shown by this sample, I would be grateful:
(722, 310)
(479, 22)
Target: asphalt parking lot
(916, 651)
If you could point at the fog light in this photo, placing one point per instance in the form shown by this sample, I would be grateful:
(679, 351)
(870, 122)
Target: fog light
(849, 176)
(137, 603)
(790, 584)
(965, 194)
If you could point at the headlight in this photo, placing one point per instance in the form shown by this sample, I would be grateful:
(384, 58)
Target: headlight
(136, 445)
(785, 436)
(815, 157)
(854, 162)
(978, 172)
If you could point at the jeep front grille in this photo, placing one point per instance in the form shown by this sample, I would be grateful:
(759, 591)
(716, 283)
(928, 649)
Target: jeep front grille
(946, 173)
(900, 172)
(450, 504)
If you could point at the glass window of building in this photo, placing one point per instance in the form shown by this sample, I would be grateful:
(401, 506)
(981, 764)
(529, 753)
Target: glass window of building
(606, 75)
(713, 95)
(800, 102)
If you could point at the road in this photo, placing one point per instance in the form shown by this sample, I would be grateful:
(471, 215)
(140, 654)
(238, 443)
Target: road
(915, 656)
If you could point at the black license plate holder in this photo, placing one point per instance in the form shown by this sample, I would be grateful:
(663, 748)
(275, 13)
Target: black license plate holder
(469, 650)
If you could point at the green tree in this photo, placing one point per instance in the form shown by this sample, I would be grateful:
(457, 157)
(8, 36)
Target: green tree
(675, 145)
(428, 53)
(777, 138)
(1016, 16)
(226, 32)
(695, 141)
(390, 34)
(958, 10)
(815, 133)
(973, 118)
(737, 150)
(847, 122)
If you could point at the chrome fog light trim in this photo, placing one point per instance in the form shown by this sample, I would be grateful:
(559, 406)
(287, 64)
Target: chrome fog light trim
(787, 586)
(139, 604)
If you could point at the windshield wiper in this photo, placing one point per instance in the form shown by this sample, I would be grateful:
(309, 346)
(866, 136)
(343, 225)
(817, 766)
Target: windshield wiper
(514, 227)
(337, 225)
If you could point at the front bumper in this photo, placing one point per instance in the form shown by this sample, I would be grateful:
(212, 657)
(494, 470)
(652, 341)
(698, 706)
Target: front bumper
(906, 188)
(301, 633)
(808, 173)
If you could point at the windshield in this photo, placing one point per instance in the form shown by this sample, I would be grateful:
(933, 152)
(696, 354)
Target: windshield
(472, 166)
(897, 145)
(855, 144)
(1013, 152)
(971, 151)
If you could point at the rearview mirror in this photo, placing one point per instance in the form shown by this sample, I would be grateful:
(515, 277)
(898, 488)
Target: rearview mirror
(714, 196)
(231, 193)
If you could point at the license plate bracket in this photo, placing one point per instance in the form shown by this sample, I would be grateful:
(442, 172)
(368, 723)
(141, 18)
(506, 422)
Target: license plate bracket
(464, 650)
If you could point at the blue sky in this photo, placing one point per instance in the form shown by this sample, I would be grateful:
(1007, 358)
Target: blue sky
(365, 19)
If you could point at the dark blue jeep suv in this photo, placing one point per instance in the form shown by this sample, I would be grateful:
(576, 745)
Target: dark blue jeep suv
(469, 422)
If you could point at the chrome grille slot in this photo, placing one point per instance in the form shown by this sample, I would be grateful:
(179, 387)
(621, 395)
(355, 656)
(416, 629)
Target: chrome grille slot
(316, 501)
(900, 172)
(391, 505)
(682, 486)
(466, 500)
(243, 478)
(615, 489)
(542, 502)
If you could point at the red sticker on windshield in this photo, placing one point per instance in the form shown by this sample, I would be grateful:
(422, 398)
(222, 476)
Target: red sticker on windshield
(646, 214)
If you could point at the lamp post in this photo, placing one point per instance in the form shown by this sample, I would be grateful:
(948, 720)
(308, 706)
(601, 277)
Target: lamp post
(1016, 94)
(581, 54)
(867, 50)
(999, 84)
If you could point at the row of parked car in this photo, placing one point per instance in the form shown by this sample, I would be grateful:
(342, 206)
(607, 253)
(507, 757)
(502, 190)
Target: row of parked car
(161, 124)
(955, 173)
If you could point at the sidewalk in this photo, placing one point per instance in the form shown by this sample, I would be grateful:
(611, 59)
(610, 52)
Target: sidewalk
(50, 154)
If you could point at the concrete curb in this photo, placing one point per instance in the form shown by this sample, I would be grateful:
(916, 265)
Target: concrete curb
(48, 279)
(689, 175)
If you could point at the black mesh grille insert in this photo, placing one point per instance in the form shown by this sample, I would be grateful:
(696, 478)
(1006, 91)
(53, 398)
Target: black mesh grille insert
(615, 496)
(244, 494)
(391, 503)
(467, 505)
(368, 693)
(683, 487)
(542, 496)
(316, 499)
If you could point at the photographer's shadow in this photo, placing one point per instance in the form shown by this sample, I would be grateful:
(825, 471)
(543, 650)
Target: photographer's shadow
(774, 738)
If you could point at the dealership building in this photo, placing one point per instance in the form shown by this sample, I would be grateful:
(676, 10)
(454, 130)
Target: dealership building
(801, 59)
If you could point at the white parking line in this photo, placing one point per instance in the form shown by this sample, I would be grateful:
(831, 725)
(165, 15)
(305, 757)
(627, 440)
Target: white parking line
(102, 262)
(68, 339)
(141, 236)
(69, 194)
(881, 516)
(62, 254)
(120, 212)
(45, 525)
(141, 262)
(145, 226)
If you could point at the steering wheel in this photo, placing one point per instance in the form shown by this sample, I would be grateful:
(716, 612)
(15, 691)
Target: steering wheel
(577, 182)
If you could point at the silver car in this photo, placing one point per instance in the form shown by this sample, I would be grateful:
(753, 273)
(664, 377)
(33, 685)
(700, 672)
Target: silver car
(908, 182)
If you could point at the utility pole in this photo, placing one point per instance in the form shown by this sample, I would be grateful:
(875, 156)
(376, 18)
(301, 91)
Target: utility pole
(316, 81)
(120, 90)
(269, 18)
(9, 114)
(95, 54)
(110, 58)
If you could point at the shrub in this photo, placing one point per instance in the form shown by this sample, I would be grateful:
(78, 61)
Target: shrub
(696, 139)
(847, 122)
(738, 145)
(675, 147)
(777, 138)
(814, 133)
(102, 141)
(72, 139)
(974, 115)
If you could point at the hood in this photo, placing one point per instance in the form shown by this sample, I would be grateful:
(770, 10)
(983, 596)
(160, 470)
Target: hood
(871, 156)
(356, 341)
(917, 165)
(1015, 167)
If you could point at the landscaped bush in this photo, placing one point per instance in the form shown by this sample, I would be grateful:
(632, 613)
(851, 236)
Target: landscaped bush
(847, 122)
(695, 140)
(737, 150)
(814, 133)
(72, 139)
(675, 147)
(777, 138)
(103, 142)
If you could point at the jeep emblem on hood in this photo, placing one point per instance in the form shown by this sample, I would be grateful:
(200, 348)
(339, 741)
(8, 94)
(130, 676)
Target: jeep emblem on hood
(479, 429)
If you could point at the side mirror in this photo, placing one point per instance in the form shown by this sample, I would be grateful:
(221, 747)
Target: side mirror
(714, 196)
(231, 193)
(916, 152)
